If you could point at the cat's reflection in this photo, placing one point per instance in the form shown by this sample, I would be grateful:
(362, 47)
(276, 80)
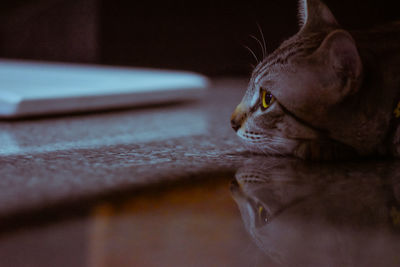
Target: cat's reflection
(303, 214)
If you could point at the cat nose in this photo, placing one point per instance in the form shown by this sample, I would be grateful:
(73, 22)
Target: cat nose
(237, 118)
(235, 125)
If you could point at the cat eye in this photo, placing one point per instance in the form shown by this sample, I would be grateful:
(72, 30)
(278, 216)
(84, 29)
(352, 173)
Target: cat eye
(263, 216)
(267, 99)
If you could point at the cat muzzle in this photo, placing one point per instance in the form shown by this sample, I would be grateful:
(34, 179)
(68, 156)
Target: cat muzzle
(237, 119)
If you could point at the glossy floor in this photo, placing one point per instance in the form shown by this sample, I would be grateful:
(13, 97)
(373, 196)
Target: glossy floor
(271, 212)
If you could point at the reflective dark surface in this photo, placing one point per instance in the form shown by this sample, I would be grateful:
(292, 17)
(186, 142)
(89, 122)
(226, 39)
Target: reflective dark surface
(172, 186)
(275, 212)
(302, 214)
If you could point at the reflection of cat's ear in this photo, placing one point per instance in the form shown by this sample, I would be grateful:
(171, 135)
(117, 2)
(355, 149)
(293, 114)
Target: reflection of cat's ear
(340, 52)
(314, 13)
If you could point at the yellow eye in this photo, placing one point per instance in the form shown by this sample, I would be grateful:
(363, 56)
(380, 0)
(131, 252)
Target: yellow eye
(260, 211)
(262, 217)
(266, 99)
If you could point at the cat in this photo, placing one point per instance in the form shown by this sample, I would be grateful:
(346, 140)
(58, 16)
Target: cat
(325, 93)
(298, 219)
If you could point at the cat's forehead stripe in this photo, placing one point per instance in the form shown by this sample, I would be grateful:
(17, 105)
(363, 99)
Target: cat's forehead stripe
(275, 59)
(287, 50)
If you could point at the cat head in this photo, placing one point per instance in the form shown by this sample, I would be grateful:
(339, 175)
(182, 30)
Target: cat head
(292, 90)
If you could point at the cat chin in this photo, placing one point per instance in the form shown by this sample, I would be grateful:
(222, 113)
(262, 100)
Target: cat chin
(269, 146)
(314, 149)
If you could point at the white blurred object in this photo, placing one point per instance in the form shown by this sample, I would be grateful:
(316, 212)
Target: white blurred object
(29, 88)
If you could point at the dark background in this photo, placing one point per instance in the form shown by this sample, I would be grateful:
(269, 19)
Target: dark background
(204, 36)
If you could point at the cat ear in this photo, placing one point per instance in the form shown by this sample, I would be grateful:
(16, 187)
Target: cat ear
(340, 54)
(315, 13)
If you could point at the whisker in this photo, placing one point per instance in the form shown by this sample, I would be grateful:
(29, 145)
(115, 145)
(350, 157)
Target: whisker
(264, 147)
(261, 45)
(251, 51)
(263, 39)
(269, 146)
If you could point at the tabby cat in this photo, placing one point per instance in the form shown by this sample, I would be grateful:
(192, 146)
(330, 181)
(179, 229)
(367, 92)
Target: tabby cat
(325, 93)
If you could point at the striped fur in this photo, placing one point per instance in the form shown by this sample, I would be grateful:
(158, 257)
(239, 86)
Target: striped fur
(297, 46)
(334, 92)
